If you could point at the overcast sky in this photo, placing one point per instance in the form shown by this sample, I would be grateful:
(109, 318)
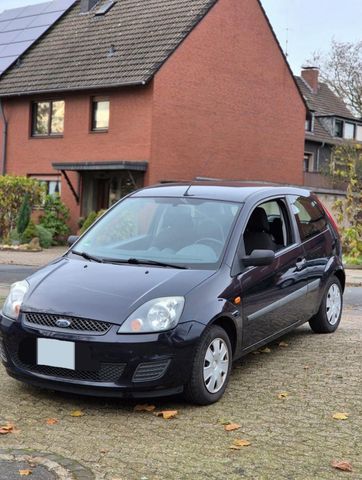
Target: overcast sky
(309, 25)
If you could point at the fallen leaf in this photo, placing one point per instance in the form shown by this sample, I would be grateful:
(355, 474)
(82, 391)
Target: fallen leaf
(103, 451)
(342, 465)
(51, 421)
(265, 350)
(283, 395)
(231, 427)
(5, 429)
(77, 413)
(222, 421)
(241, 443)
(25, 473)
(167, 414)
(283, 344)
(306, 367)
(144, 408)
(340, 416)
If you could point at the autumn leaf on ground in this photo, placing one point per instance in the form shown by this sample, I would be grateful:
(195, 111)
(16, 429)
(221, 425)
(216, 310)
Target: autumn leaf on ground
(167, 414)
(144, 408)
(342, 465)
(25, 473)
(306, 367)
(51, 421)
(283, 344)
(231, 427)
(5, 429)
(265, 350)
(238, 444)
(77, 413)
(283, 395)
(340, 416)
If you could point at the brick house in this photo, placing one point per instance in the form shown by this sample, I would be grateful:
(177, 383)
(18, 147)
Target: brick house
(329, 124)
(121, 94)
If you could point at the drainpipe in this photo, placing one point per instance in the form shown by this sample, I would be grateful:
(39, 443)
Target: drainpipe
(5, 138)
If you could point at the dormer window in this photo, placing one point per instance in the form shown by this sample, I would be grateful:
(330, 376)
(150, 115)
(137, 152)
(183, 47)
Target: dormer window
(309, 122)
(349, 131)
(338, 128)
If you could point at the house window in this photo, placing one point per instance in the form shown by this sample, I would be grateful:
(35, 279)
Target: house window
(349, 131)
(308, 162)
(338, 128)
(100, 114)
(48, 118)
(359, 133)
(50, 183)
(309, 121)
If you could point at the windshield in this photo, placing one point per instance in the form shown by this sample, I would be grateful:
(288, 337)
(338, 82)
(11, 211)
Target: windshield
(185, 232)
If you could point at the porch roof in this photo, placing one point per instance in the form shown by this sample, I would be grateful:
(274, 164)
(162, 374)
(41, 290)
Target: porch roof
(140, 166)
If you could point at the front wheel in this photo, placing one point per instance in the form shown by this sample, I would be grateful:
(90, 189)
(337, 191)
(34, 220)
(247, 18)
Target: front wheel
(330, 312)
(211, 367)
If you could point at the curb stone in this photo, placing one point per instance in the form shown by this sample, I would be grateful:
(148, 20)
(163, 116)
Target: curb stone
(63, 468)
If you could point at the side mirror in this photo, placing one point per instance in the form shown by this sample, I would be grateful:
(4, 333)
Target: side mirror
(259, 258)
(72, 239)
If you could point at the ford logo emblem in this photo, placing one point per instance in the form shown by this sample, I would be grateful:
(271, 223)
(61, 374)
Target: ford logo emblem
(63, 323)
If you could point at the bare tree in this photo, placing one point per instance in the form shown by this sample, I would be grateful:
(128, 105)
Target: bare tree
(341, 69)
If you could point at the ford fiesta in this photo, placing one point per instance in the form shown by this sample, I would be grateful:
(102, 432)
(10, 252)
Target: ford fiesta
(170, 286)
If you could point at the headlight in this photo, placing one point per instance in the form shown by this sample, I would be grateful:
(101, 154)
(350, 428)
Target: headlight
(15, 298)
(156, 315)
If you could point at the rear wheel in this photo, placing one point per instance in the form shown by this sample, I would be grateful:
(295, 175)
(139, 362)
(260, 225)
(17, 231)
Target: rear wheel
(330, 312)
(211, 367)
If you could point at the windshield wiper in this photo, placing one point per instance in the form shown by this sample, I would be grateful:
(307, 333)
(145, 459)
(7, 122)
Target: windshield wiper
(142, 261)
(87, 256)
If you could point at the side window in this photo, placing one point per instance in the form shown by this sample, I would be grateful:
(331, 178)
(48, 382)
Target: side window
(310, 217)
(268, 227)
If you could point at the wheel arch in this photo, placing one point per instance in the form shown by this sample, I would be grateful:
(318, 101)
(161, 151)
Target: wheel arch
(230, 328)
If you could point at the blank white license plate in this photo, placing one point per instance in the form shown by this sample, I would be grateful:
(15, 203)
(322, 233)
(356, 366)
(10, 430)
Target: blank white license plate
(56, 353)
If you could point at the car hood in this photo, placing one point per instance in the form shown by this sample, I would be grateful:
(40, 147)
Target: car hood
(105, 292)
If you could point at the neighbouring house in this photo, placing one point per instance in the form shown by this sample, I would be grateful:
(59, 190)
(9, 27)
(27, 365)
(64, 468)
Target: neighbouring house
(121, 94)
(329, 123)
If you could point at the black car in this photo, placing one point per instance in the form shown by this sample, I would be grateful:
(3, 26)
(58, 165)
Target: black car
(170, 286)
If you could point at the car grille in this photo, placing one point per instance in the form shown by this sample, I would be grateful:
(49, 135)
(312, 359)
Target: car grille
(77, 325)
(150, 371)
(107, 373)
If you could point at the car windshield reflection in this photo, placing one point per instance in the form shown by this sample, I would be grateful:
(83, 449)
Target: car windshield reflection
(190, 233)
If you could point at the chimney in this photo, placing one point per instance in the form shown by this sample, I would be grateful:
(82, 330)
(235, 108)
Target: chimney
(87, 5)
(310, 76)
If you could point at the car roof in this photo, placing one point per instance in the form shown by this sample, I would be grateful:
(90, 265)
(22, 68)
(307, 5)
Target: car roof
(225, 191)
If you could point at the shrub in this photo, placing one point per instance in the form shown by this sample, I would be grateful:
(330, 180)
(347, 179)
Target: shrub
(12, 192)
(24, 215)
(29, 233)
(91, 218)
(45, 236)
(55, 218)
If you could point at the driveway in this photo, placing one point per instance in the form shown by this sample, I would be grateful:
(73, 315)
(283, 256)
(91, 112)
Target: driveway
(293, 437)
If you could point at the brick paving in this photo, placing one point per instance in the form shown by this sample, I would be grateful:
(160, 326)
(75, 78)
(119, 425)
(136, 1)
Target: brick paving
(294, 438)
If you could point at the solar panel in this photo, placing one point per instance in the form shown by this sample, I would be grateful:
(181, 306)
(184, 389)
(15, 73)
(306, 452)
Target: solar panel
(21, 27)
(103, 9)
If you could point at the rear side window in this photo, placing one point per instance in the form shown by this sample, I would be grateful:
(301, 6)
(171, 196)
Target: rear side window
(310, 218)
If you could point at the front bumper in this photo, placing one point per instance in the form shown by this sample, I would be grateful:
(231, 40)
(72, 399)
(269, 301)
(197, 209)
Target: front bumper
(109, 365)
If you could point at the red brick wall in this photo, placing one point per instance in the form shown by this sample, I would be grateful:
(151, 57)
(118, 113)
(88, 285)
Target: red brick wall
(128, 137)
(225, 103)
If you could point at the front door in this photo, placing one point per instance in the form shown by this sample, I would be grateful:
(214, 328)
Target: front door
(273, 296)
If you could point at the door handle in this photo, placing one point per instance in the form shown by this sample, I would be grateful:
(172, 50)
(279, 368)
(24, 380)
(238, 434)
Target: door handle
(300, 263)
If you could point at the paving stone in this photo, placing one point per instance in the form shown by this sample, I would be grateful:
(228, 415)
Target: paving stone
(293, 438)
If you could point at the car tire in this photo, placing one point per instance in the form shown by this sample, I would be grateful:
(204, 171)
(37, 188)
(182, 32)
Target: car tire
(211, 367)
(330, 311)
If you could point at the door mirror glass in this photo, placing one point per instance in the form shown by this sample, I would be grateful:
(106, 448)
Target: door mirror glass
(259, 258)
(72, 239)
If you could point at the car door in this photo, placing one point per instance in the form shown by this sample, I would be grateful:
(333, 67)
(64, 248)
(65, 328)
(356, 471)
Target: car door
(273, 297)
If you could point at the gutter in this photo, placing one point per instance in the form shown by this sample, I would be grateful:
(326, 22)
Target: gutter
(4, 138)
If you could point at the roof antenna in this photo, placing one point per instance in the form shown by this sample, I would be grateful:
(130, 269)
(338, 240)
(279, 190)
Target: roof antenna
(287, 43)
